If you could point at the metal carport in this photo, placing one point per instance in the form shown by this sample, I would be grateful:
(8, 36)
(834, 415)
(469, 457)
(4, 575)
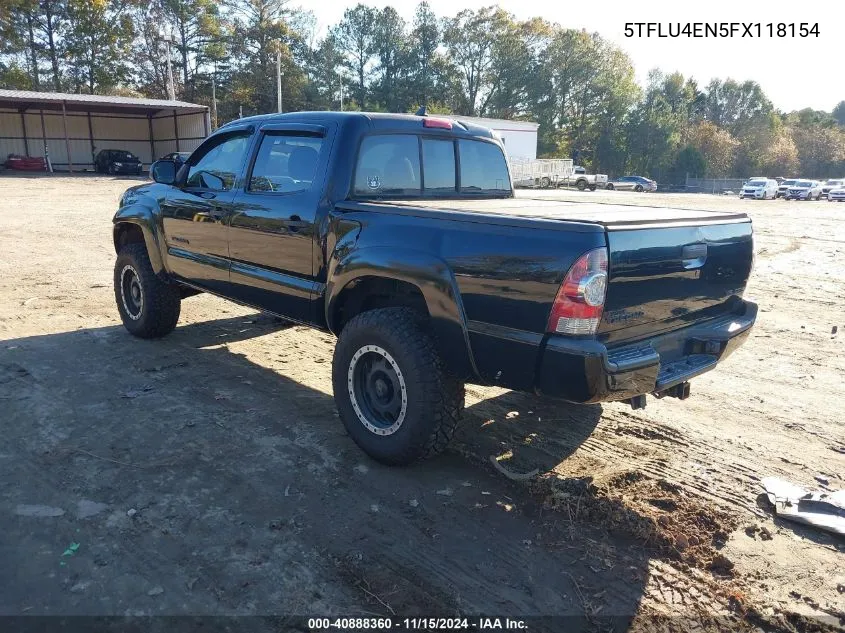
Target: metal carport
(71, 128)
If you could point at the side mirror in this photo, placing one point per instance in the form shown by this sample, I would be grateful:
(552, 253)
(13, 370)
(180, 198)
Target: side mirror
(164, 171)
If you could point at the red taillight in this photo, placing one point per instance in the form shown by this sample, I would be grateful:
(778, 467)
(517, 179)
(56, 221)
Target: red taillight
(443, 124)
(579, 302)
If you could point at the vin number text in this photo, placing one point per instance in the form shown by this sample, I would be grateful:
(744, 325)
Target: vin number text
(721, 29)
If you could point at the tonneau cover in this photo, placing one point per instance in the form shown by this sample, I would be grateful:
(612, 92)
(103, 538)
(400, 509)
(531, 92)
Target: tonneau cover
(611, 216)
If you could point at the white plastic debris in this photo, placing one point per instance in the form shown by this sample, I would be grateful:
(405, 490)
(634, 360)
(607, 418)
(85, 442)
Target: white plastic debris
(824, 510)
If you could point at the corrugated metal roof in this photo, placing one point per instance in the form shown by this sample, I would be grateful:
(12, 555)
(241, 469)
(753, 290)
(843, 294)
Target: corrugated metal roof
(28, 96)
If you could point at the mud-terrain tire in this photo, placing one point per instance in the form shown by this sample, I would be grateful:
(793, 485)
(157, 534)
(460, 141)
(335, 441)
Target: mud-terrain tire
(422, 401)
(148, 306)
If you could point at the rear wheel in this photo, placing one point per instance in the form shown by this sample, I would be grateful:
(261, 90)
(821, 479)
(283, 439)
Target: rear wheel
(112, 170)
(545, 182)
(609, 186)
(394, 394)
(148, 306)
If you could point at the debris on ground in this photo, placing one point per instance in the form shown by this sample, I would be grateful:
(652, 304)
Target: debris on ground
(71, 549)
(446, 492)
(510, 475)
(86, 508)
(156, 591)
(40, 511)
(824, 510)
(131, 512)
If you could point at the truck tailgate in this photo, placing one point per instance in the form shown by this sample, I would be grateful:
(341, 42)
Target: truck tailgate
(661, 277)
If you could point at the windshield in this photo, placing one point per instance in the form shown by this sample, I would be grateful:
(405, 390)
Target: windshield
(787, 183)
(804, 183)
(756, 183)
(835, 182)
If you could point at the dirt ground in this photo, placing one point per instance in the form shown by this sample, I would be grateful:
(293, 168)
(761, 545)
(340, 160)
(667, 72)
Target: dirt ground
(207, 473)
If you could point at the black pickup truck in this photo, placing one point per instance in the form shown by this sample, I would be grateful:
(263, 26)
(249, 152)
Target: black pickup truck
(402, 236)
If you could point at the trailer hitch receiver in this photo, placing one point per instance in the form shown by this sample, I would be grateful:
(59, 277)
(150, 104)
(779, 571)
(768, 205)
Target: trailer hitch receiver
(680, 391)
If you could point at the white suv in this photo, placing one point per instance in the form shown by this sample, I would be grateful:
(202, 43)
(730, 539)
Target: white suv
(805, 190)
(760, 189)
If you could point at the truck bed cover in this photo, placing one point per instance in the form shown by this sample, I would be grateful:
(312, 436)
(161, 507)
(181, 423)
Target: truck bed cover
(609, 216)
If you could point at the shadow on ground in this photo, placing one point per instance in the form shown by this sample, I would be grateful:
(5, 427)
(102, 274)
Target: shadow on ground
(178, 477)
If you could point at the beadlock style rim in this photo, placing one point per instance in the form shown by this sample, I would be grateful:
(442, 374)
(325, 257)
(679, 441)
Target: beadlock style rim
(377, 390)
(131, 292)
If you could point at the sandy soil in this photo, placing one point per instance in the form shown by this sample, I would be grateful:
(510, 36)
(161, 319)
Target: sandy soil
(207, 473)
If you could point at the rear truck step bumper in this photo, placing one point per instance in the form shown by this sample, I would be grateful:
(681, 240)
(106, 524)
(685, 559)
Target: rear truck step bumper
(587, 371)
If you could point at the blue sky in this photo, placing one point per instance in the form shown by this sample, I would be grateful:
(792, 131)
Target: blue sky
(794, 72)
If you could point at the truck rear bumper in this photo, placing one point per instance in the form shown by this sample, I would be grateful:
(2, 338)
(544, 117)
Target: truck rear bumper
(587, 371)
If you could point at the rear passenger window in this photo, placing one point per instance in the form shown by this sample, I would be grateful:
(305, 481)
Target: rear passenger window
(388, 164)
(439, 165)
(483, 168)
(285, 163)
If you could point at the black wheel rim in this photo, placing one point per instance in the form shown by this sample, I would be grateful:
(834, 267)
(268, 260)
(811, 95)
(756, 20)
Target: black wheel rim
(131, 292)
(377, 390)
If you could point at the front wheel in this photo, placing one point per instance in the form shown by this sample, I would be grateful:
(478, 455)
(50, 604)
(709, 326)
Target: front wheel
(638, 188)
(148, 306)
(395, 396)
(581, 185)
(609, 186)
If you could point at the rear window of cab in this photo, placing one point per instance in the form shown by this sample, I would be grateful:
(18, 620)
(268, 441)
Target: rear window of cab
(416, 165)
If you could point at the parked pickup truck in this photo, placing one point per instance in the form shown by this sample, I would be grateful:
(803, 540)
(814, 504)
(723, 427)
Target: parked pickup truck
(581, 180)
(402, 236)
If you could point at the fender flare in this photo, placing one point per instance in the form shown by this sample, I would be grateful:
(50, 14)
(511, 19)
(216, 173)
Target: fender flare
(143, 218)
(430, 274)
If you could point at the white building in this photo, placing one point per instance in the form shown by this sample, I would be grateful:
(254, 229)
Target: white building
(519, 137)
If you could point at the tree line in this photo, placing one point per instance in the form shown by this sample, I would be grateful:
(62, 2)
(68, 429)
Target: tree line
(579, 87)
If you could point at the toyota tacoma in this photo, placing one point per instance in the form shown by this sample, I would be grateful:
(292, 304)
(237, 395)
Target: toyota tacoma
(401, 235)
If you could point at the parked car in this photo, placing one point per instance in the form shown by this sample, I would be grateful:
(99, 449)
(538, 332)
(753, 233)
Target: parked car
(400, 235)
(117, 161)
(632, 183)
(833, 183)
(759, 189)
(837, 194)
(179, 157)
(805, 190)
(783, 187)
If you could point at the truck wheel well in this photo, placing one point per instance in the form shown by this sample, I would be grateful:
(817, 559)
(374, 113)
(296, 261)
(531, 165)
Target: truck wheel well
(127, 234)
(369, 293)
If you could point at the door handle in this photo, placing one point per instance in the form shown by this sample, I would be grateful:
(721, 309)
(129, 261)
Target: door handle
(295, 223)
(208, 195)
